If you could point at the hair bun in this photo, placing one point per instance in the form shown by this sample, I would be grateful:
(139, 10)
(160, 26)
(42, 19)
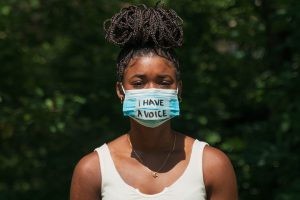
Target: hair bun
(140, 26)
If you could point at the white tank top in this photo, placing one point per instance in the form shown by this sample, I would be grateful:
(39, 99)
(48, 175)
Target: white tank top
(189, 186)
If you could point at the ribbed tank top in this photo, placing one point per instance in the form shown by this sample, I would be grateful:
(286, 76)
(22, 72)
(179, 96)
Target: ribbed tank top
(189, 186)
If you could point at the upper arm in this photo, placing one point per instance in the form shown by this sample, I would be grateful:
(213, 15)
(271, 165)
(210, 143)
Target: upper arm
(219, 176)
(86, 180)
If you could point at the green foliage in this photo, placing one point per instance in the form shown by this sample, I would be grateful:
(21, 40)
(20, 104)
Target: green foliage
(240, 65)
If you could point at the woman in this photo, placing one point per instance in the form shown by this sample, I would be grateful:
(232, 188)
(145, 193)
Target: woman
(151, 161)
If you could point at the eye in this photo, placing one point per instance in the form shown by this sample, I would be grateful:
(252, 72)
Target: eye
(165, 82)
(137, 83)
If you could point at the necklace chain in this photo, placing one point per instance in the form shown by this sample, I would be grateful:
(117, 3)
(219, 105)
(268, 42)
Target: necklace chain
(153, 173)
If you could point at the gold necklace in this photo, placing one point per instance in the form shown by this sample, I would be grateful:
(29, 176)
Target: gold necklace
(153, 173)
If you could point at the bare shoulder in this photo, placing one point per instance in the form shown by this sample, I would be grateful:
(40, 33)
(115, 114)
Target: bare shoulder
(86, 180)
(88, 165)
(219, 175)
(214, 159)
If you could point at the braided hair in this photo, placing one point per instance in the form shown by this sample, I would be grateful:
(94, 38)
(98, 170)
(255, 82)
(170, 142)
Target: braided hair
(142, 31)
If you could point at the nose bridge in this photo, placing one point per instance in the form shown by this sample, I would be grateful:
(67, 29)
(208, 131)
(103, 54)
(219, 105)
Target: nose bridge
(151, 84)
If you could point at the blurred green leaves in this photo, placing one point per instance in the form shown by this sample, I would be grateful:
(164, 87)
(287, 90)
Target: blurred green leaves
(240, 71)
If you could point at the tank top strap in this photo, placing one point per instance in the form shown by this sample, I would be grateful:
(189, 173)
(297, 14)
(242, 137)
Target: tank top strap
(107, 167)
(196, 164)
(193, 175)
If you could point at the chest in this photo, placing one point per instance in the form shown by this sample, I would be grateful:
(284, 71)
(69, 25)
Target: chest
(146, 175)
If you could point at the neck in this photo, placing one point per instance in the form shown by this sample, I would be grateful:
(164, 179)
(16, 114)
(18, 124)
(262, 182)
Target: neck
(151, 140)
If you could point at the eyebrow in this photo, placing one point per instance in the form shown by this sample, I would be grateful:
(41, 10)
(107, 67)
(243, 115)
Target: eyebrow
(164, 76)
(138, 76)
(144, 75)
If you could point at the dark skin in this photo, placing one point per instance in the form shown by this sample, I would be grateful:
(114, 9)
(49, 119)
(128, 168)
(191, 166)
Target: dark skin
(154, 144)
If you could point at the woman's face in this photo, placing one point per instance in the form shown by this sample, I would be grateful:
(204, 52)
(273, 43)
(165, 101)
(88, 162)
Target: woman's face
(150, 72)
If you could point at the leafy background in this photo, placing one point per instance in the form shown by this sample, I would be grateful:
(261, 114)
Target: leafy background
(240, 65)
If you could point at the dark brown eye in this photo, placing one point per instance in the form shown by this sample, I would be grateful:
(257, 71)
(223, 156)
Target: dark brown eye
(137, 84)
(165, 82)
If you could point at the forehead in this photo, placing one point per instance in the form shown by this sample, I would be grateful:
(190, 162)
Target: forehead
(150, 65)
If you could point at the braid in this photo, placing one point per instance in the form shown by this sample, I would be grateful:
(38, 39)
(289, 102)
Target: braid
(140, 31)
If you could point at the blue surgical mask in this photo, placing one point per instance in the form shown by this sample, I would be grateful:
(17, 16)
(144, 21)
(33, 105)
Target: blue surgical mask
(151, 107)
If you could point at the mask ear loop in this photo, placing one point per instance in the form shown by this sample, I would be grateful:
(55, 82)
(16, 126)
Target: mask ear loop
(179, 97)
(122, 98)
(123, 88)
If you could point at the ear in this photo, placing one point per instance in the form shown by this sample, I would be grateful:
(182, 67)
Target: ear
(179, 86)
(120, 91)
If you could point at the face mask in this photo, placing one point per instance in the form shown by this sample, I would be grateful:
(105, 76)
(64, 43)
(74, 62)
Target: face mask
(151, 107)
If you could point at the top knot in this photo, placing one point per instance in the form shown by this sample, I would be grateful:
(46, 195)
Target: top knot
(137, 26)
